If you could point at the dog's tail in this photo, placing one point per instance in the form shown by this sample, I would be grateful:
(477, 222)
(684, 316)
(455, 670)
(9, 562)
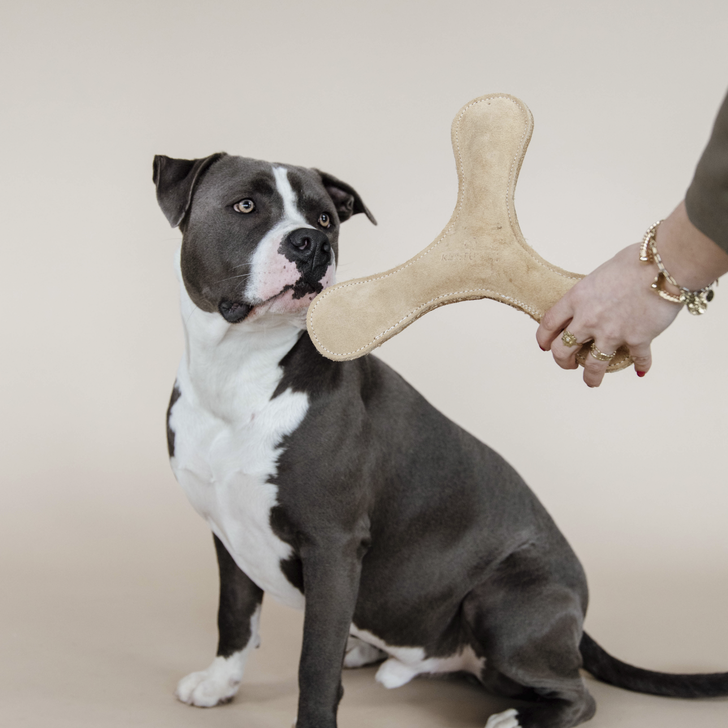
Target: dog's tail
(610, 670)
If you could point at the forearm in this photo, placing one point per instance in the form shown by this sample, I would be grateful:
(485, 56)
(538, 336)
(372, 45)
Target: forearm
(707, 197)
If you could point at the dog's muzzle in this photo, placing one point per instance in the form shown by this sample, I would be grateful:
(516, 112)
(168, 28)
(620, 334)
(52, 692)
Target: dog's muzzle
(309, 250)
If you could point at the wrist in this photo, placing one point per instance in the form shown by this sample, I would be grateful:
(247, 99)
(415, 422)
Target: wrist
(691, 257)
(665, 284)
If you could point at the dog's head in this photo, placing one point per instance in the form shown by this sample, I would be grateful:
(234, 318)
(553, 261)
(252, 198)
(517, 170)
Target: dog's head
(256, 237)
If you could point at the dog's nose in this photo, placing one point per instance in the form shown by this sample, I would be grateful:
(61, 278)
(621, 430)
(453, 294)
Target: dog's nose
(309, 247)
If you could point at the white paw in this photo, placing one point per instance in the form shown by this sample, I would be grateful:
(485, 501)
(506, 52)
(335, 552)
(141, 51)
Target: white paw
(506, 719)
(359, 653)
(394, 674)
(218, 684)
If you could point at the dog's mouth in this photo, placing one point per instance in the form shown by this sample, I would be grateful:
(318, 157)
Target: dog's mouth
(236, 311)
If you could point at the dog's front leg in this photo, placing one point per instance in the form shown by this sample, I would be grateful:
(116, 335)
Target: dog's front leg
(238, 620)
(331, 570)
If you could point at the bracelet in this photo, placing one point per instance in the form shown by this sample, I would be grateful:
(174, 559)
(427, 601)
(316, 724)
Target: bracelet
(696, 301)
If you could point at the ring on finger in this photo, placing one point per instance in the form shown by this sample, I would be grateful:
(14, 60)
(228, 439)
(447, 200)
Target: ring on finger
(568, 339)
(600, 355)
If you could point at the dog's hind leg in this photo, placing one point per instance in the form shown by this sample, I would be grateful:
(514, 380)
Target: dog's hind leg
(527, 620)
(238, 620)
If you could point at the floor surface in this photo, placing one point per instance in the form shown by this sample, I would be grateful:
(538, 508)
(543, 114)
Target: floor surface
(104, 647)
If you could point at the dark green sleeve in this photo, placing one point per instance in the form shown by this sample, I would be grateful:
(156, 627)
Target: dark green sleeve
(707, 198)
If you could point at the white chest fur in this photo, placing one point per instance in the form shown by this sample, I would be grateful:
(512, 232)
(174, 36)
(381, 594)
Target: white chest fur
(228, 433)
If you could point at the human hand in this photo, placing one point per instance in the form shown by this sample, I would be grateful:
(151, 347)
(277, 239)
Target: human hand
(612, 306)
(616, 305)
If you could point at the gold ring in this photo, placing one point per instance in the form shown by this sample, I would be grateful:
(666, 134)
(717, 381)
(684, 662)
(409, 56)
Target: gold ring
(600, 355)
(568, 339)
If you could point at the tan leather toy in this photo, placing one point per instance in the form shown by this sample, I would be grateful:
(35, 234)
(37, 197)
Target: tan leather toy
(480, 254)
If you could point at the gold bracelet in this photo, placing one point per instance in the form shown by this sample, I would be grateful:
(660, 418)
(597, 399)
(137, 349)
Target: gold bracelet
(696, 301)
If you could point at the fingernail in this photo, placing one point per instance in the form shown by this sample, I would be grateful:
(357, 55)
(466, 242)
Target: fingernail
(641, 374)
(541, 347)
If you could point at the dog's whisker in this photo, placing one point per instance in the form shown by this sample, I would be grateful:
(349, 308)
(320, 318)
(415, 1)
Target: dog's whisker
(242, 275)
(192, 312)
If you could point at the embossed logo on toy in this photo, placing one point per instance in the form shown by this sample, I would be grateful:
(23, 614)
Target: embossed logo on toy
(466, 252)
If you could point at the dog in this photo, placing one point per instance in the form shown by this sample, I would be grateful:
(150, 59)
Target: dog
(338, 489)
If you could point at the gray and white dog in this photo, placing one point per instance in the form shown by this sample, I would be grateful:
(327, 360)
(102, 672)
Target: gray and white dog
(337, 489)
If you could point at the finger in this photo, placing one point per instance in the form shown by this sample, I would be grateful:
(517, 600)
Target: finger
(642, 357)
(565, 356)
(594, 368)
(554, 321)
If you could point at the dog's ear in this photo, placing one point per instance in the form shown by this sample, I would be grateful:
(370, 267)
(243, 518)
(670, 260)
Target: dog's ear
(175, 180)
(346, 199)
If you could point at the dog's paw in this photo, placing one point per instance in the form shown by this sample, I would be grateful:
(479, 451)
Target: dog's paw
(506, 719)
(394, 674)
(359, 653)
(214, 686)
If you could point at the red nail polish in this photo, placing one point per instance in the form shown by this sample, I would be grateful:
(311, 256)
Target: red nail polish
(541, 347)
(641, 374)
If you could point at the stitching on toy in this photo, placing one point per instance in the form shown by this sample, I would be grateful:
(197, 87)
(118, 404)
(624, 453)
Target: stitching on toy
(505, 299)
(462, 191)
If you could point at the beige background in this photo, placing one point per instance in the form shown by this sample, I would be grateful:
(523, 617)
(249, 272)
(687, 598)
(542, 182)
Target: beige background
(108, 583)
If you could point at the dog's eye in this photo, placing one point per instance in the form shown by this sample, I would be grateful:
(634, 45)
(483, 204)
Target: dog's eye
(324, 220)
(245, 206)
